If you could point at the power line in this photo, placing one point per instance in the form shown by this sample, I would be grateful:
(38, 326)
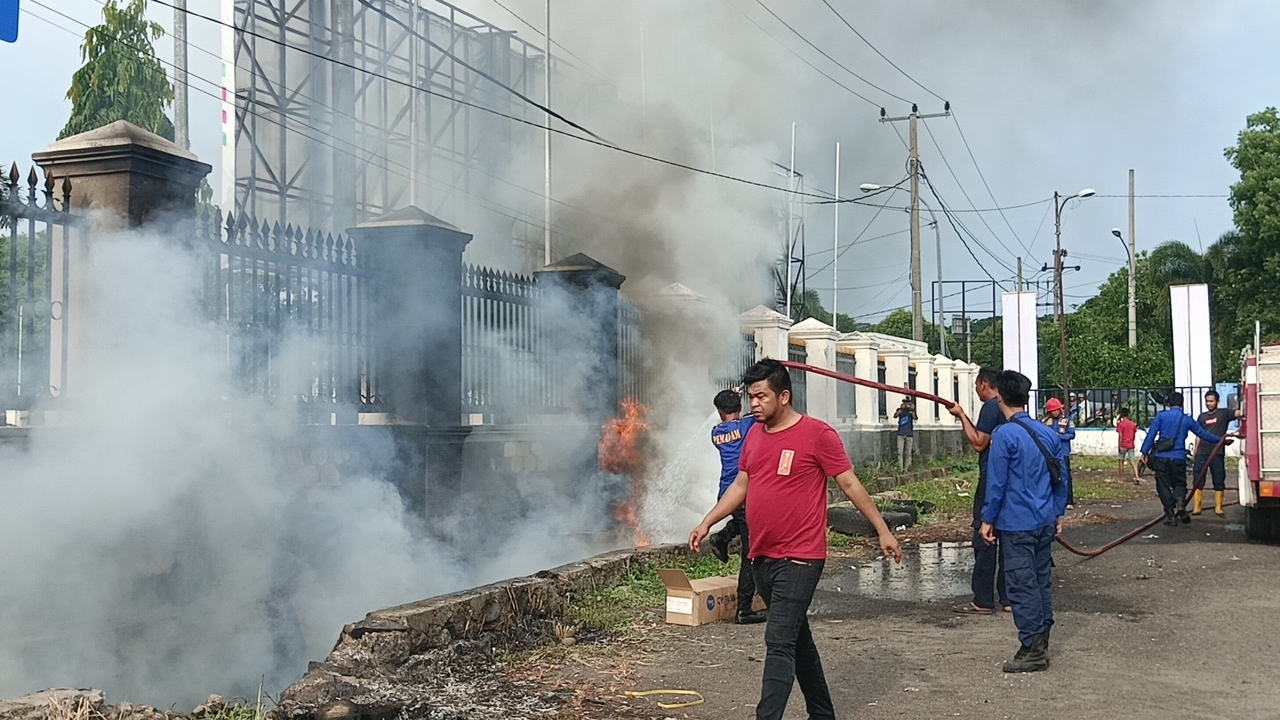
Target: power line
(592, 140)
(882, 55)
(965, 193)
(984, 178)
(804, 60)
(567, 51)
(946, 211)
(483, 202)
(825, 55)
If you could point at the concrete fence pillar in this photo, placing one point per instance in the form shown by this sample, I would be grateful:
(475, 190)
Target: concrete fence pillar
(945, 368)
(415, 264)
(580, 302)
(925, 411)
(820, 345)
(967, 397)
(770, 328)
(122, 177)
(896, 369)
(865, 367)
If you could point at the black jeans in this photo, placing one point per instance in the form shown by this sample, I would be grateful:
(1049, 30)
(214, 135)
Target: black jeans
(790, 656)
(988, 573)
(737, 526)
(1171, 483)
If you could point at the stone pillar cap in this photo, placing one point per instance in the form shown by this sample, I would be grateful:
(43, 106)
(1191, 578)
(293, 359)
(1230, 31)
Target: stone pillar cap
(408, 216)
(815, 329)
(761, 316)
(118, 134)
(583, 265)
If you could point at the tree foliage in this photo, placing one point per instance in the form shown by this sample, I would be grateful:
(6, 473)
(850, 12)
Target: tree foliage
(121, 79)
(898, 324)
(807, 304)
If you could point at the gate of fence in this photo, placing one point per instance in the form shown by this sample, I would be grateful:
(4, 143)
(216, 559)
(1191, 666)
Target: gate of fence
(36, 231)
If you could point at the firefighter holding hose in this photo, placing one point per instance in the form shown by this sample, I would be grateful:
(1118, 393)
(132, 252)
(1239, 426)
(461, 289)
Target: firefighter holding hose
(1167, 439)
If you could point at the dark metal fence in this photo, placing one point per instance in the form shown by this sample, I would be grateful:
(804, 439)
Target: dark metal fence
(35, 239)
(1098, 407)
(797, 353)
(846, 393)
(504, 347)
(631, 375)
(295, 305)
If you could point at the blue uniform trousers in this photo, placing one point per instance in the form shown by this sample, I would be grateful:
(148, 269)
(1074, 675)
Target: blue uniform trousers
(1028, 557)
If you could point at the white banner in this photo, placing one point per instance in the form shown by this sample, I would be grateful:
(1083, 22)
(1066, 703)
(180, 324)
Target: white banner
(1192, 342)
(1021, 346)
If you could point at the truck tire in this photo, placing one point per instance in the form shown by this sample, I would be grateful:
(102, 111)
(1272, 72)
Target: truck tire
(1262, 523)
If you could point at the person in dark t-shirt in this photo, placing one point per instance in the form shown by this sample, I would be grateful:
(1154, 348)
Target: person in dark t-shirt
(988, 570)
(1215, 420)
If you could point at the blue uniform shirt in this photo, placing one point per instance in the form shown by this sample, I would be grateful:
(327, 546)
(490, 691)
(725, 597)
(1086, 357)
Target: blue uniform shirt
(1065, 430)
(1174, 423)
(1020, 496)
(728, 438)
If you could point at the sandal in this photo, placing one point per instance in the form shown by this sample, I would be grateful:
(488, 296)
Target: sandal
(971, 609)
(1008, 608)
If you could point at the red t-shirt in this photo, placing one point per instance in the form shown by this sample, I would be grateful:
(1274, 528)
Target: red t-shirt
(787, 475)
(1127, 429)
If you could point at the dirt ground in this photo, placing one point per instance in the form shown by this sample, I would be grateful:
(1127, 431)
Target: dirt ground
(1178, 623)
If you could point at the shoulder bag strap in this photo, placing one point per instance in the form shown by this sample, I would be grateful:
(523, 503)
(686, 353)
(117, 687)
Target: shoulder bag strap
(1055, 470)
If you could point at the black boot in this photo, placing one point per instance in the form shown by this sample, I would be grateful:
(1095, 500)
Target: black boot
(1169, 519)
(720, 546)
(1030, 658)
(748, 617)
(1184, 516)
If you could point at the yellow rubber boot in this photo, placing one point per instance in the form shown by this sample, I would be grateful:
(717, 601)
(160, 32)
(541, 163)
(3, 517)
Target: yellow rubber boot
(1217, 502)
(1195, 508)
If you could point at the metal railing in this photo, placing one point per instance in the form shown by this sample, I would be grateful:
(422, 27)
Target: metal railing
(1098, 407)
(36, 234)
(797, 353)
(846, 393)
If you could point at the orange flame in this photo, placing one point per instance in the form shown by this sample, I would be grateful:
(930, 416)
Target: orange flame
(621, 451)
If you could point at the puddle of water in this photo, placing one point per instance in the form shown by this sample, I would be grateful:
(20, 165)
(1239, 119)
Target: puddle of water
(1234, 527)
(928, 573)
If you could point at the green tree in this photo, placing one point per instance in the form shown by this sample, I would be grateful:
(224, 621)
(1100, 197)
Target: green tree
(121, 78)
(898, 324)
(1256, 197)
(808, 305)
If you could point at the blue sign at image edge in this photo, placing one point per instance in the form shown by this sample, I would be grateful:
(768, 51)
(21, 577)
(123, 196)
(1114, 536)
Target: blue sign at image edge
(9, 20)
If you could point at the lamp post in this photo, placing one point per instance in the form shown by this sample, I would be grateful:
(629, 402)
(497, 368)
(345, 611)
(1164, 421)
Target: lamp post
(1058, 202)
(937, 241)
(1133, 289)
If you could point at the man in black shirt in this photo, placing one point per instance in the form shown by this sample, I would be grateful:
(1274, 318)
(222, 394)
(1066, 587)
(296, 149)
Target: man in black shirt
(988, 571)
(1215, 420)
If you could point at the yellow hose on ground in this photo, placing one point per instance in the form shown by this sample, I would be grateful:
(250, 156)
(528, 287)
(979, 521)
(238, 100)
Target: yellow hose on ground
(670, 706)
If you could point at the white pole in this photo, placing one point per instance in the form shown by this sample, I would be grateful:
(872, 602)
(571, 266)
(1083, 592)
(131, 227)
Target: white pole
(546, 147)
(791, 185)
(835, 249)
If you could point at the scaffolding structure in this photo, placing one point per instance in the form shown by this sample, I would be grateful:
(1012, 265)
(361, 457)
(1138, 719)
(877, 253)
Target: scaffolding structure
(336, 111)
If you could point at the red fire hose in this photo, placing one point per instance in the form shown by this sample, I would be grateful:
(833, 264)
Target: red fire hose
(869, 383)
(1198, 484)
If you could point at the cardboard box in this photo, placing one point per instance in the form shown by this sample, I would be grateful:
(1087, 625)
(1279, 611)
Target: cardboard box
(699, 602)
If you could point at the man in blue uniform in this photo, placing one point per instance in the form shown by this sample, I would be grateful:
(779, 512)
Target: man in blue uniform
(988, 571)
(1026, 498)
(728, 437)
(1167, 437)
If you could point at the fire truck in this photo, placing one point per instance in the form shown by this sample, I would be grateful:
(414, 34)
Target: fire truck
(1259, 474)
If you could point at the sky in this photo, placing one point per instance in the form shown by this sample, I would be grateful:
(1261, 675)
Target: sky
(1049, 96)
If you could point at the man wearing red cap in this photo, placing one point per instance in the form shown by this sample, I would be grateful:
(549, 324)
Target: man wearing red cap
(1058, 420)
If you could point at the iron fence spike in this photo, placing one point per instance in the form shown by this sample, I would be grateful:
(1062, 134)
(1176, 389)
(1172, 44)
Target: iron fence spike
(14, 174)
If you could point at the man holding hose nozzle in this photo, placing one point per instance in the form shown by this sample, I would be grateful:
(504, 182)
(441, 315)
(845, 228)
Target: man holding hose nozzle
(1167, 437)
(1215, 420)
(782, 478)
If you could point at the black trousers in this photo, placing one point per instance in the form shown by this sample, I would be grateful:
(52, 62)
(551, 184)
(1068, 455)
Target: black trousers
(1171, 483)
(737, 527)
(787, 585)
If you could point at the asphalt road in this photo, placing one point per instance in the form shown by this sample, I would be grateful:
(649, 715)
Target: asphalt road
(1184, 625)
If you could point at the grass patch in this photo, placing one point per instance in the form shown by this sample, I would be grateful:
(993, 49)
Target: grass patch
(616, 608)
(239, 712)
(836, 540)
(943, 494)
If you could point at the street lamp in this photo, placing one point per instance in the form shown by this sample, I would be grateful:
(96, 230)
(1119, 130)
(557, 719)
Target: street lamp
(1058, 202)
(937, 240)
(1133, 302)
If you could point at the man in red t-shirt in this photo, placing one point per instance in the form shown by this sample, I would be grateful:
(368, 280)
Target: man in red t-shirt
(782, 476)
(1128, 432)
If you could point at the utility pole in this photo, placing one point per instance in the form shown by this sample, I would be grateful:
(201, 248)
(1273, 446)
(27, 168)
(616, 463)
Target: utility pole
(917, 303)
(835, 249)
(1058, 310)
(181, 115)
(546, 144)
(791, 189)
(1133, 271)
